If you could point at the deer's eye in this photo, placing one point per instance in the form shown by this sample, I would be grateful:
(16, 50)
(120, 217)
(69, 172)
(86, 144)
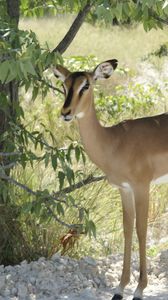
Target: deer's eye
(84, 88)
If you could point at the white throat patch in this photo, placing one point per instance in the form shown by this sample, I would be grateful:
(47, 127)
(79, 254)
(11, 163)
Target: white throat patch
(80, 115)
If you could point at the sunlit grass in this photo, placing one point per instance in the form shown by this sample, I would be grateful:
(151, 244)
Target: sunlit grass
(126, 44)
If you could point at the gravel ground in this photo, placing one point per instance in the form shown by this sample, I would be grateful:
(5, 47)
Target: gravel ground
(87, 279)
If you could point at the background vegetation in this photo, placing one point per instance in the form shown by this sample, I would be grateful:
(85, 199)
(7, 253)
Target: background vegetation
(42, 208)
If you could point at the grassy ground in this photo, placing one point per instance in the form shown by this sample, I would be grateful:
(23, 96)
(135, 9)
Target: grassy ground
(129, 46)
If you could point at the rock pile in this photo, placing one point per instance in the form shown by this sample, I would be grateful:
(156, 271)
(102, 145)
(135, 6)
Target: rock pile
(69, 279)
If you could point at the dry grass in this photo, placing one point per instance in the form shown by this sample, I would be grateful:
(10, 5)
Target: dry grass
(125, 44)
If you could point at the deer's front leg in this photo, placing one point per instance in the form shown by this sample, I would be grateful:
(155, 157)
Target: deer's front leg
(141, 205)
(128, 224)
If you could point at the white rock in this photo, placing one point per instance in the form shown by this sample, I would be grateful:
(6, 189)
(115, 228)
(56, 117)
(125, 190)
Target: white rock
(6, 292)
(110, 276)
(2, 282)
(87, 294)
(162, 275)
(90, 261)
(60, 267)
(14, 291)
(22, 290)
(32, 280)
(56, 257)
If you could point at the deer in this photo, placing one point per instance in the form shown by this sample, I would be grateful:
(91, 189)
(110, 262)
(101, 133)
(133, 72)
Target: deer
(132, 154)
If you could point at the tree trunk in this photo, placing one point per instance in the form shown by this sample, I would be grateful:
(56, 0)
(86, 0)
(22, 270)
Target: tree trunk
(10, 89)
(8, 212)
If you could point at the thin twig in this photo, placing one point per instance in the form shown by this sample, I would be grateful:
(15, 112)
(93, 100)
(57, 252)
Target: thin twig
(50, 85)
(90, 179)
(8, 166)
(9, 154)
(58, 219)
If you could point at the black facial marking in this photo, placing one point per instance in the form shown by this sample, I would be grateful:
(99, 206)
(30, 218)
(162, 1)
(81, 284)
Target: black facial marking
(67, 113)
(74, 76)
(69, 97)
(114, 63)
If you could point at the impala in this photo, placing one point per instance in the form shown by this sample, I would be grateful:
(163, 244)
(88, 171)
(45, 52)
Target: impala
(132, 154)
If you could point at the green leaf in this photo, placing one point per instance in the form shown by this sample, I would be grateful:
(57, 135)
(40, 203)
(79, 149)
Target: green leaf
(71, 200)
(4, 70)
(83, 158)
(36, 208)
(54, 161)
(60, 209)
(90, 227)
(145, 25)
(61, 177)
(146, 13)
(81, 214)
(27, 207)
(77, 153)
(119, 10)
(29, 68)
(35, 92)
(126, 8)
(70, 175)
(12, 74)
(47, 158)
(23, 69)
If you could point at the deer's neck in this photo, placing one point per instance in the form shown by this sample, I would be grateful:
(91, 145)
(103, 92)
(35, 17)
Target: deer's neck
(94, 137)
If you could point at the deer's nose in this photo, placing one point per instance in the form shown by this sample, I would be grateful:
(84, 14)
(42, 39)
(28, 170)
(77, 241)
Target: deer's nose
(66, 115)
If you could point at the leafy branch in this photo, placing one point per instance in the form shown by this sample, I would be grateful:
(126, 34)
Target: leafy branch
(46, 197)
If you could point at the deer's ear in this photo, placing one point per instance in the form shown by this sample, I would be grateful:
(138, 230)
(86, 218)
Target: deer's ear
(61, 72)
(105, 69)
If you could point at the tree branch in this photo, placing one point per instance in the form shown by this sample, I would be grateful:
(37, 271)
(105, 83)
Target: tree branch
(13, 9)
(15, 182)
(8, 166)
(80, 184)
(90, 179)
(50, 85)
(5, 154)
(58, 219)
(68, 38)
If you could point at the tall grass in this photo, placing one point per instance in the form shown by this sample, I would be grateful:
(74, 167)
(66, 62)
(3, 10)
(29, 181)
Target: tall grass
(130, 99)
(126, 44)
